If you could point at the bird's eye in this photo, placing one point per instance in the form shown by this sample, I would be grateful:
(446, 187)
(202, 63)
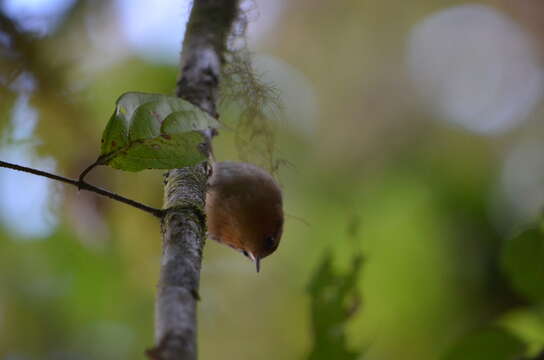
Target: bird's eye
(246, 254)
(270, 242)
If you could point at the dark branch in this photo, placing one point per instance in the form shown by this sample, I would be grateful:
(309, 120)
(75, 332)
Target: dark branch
(184, 227)
(85, 186)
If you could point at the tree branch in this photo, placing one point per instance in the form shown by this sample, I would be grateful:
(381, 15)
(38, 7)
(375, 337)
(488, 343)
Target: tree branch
(82, 185)
(183, 228)
(202, 56)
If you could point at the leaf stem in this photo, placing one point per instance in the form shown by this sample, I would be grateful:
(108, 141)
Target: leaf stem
(89, 168)
(82, 185)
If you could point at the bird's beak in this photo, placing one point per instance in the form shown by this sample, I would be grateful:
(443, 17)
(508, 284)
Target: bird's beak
(256, 260)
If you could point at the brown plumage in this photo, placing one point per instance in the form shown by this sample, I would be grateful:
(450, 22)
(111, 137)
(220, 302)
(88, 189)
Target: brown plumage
(244, 209)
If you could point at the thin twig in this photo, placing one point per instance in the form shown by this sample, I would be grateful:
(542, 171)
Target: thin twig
(85, 186)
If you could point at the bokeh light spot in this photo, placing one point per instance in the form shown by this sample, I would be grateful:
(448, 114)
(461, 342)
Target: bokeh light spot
(154, 29)
(519, 197)
(297, 93)
(39, 16)
(475, 67)
(26, 201)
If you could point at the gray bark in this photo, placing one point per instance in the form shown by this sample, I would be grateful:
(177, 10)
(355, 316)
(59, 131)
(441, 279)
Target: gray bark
(184, 225)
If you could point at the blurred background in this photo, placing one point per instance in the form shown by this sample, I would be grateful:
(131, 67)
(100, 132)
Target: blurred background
(412, 146)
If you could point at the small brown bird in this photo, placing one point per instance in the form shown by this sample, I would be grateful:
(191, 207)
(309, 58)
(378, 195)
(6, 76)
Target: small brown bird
(244, 209)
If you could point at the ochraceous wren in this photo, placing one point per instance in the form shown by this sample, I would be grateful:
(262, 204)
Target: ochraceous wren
(244, 209)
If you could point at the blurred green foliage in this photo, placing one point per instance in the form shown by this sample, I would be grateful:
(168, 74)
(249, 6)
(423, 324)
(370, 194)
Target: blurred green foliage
(522, 261)
(491, 344)
(334, 300)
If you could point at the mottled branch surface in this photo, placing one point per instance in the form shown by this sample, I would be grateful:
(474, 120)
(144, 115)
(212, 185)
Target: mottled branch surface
(183, 227)
(205, 41)
(183, 231)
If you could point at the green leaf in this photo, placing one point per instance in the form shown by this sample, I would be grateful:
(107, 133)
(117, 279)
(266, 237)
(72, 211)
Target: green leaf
(528, 324)
(153, 131)
(523, 261)
(489, 344)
